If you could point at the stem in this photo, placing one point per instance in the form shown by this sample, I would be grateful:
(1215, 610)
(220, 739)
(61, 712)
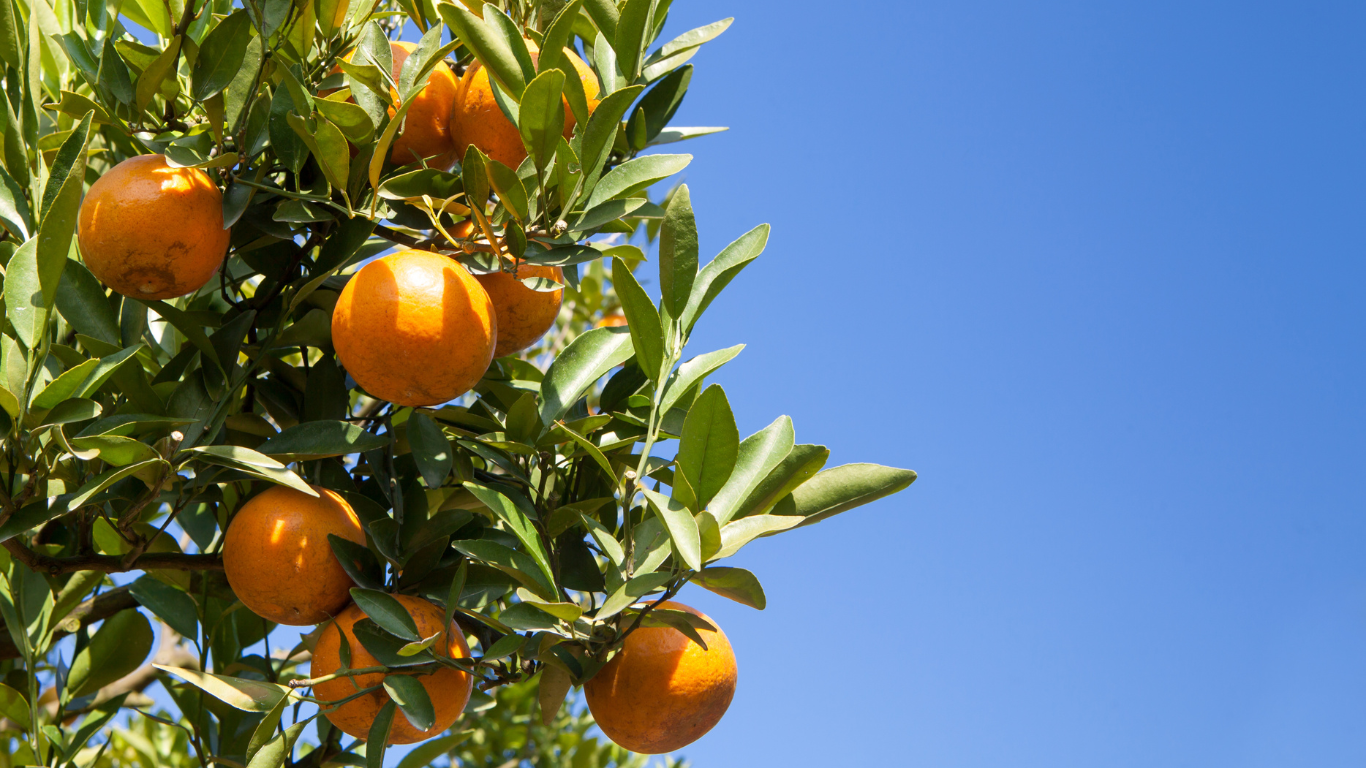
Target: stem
(309, 683)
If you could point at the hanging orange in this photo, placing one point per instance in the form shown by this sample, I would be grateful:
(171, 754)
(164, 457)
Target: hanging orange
(278, 560)
(524, 314)
(414, 328)
(150, 231)
(449, 689)
(662, 691)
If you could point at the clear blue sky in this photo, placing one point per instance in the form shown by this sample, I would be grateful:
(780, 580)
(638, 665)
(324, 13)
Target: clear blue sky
(1095, 270)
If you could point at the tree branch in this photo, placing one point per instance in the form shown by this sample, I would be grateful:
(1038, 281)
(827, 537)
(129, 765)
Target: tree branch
(166, 561)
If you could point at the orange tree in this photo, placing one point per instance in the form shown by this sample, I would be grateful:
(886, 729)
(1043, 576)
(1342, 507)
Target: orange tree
(305, 325)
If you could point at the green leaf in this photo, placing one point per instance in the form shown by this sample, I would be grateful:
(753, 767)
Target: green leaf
(11, 51)
(678, 252)
(253, 463)
(428, 751)
(436, 184)
(387, 612)
(796, 468)
(510, 190)
(221, 55)
(109, 366)
(681, 525)
(658, 106)
(635, 175)
(591, 449)
(113, 450)
(32, 515)
(642, 320)
(320, 439)
(353, 121)
(738, 533)
(169, 604)
(669, 135)
(554, 687)
(693, 371)
(103, 480)
(287, 145)
(24, 296)
(384, 721)
(328, 145)
(474, 177)
(81, 300)
(73, 410)
(604, 14)
(582, 363)
(518, 517)
(541, 116)
(61, 205)
(630, 38)
(14, 706)
(515, 564)
(512, 36)
(601, 132)
(357, 560)
(274, 752)
(709, 445)
(757, 456)
(843, 488)
(606, 213)
(557, 37)
(150, 81)
(385, 647)
(119, 647)
(718, 274)
(488, 44)
(630, 592)
(14, 211)
(64, 386)
(431, 449)
(407, 692)
(677, 51)
(736, 583)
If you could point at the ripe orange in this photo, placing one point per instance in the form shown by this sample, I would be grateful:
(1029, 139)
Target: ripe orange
(477, 119)
(613, 320)
(150, 231)
(463, 229)
(662, 692)
(524, 314)
(414, 328)
(278, 560)
(449, 689)
(426, 128)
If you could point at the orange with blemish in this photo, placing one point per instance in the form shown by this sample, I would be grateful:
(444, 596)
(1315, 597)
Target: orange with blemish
(662, 691)
(449, 689)
(278, 560)
(414, 328)
(524, 314)
(150, 231)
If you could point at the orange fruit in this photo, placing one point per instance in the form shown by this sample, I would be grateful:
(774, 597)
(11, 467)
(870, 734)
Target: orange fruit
(662, 692)
(449, 689)
(463, 229)
(150, 231)
(477, 119)
(426, 128)
(278, 560)
(613, 320)
(414, 328)
(524, 314)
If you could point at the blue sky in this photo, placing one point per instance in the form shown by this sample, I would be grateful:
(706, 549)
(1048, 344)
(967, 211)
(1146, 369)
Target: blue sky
(1094, 270)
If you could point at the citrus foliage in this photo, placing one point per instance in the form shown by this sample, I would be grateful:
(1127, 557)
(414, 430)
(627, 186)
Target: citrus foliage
(541, 510)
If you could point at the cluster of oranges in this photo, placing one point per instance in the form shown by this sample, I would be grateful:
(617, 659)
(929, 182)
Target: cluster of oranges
(414, 328)
(659, 694)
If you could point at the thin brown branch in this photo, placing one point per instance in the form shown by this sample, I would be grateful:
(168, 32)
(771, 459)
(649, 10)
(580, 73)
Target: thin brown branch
(165, 561)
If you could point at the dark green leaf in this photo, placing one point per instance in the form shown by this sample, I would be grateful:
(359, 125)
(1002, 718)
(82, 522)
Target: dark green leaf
(635, 175)
(629, 41)
(677, 51)
(681, 525)
(717, 274)
(604, 14)
(678, 252)
(517, 513)
(387, 612)
(757, 457)
(736, 583)
(690, 373)
(221, 55)
(320, 439)
(407, 692)
(541, 116)
(709, 444)
(581, 364)
(843, 488)
(631, 591)
(431, 449)
(384, 721)
(662, 101)
(119, 647)
(169, 604)
(642, 320)
(601, 132)
(488, 44)
(799, 466)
